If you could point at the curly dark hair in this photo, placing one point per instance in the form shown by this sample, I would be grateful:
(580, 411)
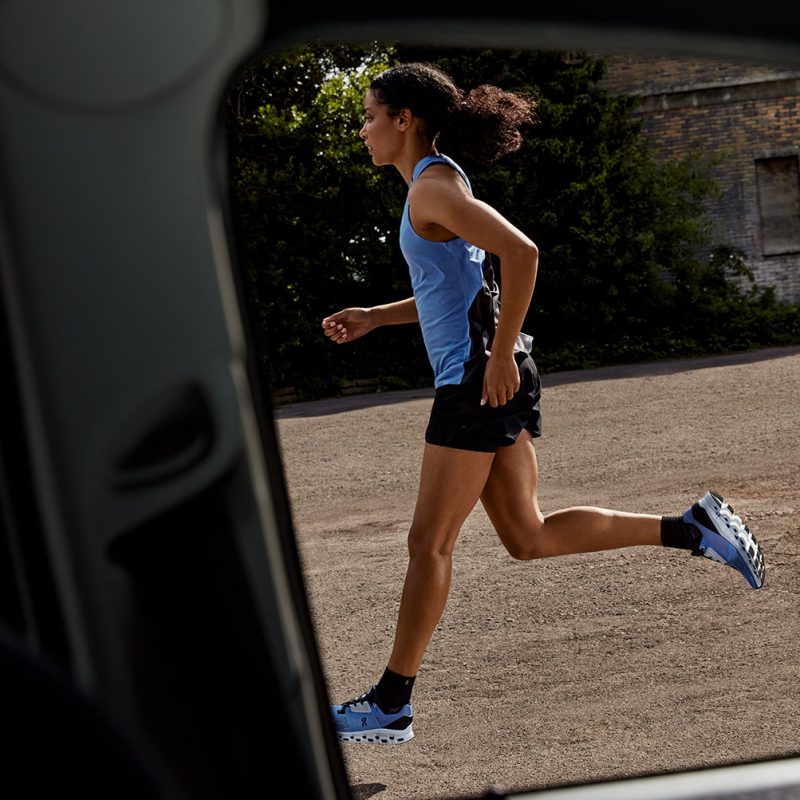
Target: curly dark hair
(483, 124)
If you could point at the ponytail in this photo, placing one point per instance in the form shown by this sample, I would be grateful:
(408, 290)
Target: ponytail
(485, 126)
(482, 124)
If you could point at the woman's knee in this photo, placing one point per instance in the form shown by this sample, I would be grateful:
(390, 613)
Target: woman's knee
(430, 542)
(524, 550)
(523, 542)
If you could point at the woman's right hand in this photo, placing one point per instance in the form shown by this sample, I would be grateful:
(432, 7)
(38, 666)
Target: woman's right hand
(348, 324)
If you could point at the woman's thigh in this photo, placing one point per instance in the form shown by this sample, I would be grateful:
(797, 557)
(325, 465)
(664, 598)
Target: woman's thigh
(509, 496)
(451, 483)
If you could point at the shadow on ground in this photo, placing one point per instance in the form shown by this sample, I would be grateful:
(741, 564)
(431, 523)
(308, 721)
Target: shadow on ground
(336, 405)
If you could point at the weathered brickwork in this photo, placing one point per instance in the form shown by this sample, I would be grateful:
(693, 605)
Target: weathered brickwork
(732, 114)
(649, 75)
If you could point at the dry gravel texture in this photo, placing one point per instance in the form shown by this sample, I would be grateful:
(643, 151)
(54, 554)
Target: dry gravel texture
(577, 668)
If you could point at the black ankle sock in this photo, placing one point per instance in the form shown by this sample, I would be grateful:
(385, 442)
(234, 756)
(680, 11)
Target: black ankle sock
(677, 533)
(393, 691)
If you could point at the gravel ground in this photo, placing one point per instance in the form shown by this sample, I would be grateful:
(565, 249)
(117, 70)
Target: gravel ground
(578, 668)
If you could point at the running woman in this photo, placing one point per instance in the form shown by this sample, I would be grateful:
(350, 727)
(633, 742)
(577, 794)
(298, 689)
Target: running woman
(479, 443)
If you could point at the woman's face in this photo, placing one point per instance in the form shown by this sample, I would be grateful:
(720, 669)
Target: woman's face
(380, 131)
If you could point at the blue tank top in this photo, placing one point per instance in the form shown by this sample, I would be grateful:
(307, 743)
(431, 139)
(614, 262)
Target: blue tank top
(456, 296)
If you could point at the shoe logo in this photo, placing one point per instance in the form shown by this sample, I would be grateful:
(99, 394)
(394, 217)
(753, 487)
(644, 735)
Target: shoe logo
(714, 556)
(363, 722)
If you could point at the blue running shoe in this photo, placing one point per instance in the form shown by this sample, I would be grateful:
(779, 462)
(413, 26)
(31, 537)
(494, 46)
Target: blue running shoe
(361, 720)
(725, 538)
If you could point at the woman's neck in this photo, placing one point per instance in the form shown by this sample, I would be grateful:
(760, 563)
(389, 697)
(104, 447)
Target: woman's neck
(406, 163)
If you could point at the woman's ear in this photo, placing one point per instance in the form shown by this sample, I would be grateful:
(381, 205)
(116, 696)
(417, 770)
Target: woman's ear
(403, 118)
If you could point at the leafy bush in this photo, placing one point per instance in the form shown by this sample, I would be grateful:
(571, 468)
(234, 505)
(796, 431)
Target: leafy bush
(628, 267)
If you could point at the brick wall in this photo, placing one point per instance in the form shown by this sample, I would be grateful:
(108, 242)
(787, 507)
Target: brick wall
(650, 75)
(734, 113)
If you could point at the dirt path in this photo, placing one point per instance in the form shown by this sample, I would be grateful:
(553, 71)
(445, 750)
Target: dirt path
(583, 667)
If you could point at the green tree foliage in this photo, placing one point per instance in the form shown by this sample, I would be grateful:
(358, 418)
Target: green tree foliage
(316, 222)
(628, 267)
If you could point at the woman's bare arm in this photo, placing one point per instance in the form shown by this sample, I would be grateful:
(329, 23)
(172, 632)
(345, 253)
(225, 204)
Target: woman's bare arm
(442, 205)
(352, 323)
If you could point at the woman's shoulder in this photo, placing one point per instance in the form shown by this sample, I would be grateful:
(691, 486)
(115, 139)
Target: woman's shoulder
(436, 197)
(436, 160)
(440, 169)
(438, 181)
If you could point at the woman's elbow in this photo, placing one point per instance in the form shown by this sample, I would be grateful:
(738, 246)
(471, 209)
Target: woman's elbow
(528, 253)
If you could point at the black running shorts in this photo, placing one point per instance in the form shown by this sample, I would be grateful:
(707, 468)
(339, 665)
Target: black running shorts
(459, 420)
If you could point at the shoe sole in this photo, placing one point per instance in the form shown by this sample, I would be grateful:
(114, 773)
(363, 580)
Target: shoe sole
(730, 527)
(378, 736)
